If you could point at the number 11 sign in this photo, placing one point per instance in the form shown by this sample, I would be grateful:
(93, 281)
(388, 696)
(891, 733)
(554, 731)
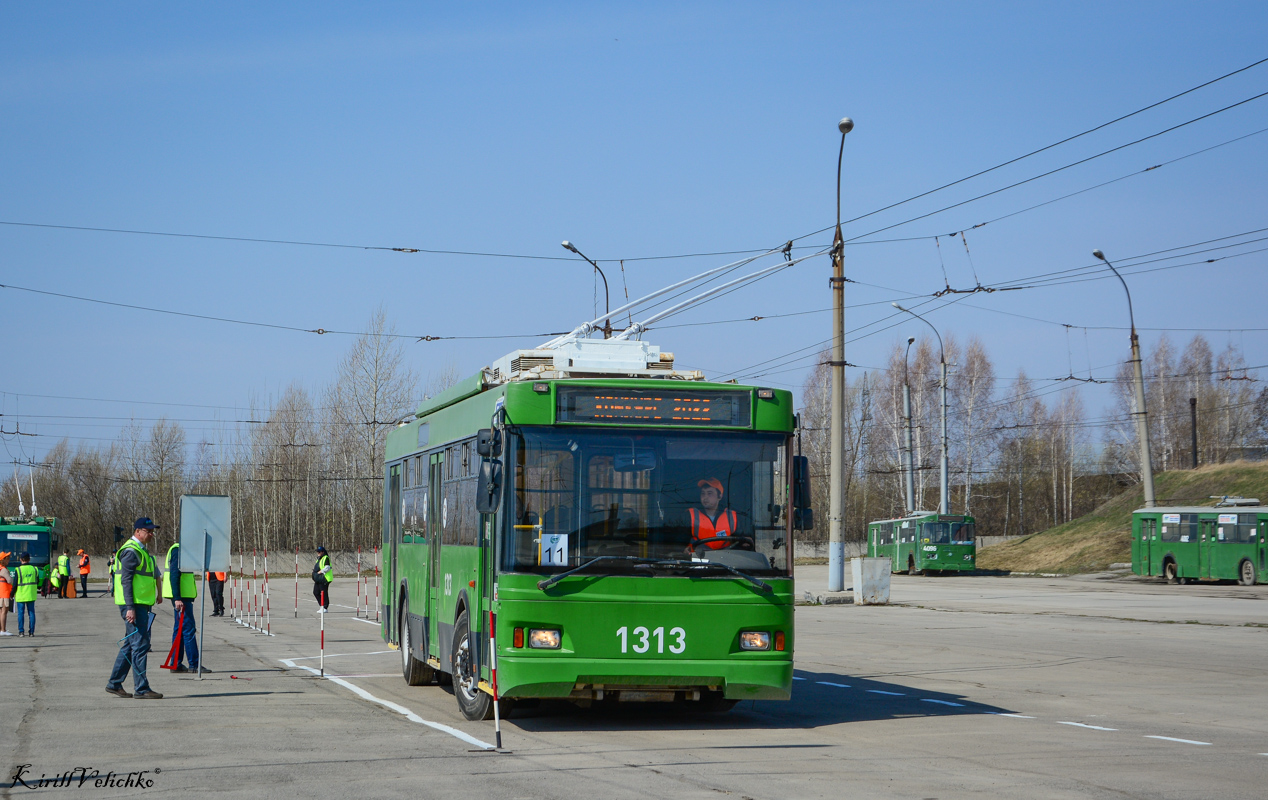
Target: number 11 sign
(553, 550)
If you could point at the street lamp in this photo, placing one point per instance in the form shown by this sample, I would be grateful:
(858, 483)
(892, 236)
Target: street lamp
(1141, 414)
(909, 453)
(607, 300)
(944, 498)
(836, 459)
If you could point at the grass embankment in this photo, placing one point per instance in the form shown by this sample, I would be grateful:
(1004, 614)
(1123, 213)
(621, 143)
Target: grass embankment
(1094, 541)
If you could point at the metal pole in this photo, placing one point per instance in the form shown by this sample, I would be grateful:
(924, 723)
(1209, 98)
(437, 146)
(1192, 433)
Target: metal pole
(1193, 427)
(908, 467)
(1140, 413)
(944, 495)
(836, 455)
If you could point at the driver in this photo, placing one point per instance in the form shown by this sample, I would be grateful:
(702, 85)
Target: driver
(712, 522)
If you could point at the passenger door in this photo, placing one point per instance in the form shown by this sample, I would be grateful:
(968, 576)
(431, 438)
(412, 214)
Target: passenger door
(393, 531)
(435, 508)
(1206, 547)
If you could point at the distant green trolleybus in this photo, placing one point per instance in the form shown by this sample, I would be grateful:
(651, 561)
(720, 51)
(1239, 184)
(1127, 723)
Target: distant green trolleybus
(559, 494)
(41, 537)
(1185, 544)
(925, 542)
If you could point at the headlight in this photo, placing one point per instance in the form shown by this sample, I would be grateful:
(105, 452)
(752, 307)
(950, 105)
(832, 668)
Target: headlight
(548, 640)
(754, 640)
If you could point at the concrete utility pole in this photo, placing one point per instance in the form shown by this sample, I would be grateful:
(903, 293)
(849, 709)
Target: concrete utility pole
(1193, 427)
(836, 471)
(909, 470)
(1141, 415)
(944, 496)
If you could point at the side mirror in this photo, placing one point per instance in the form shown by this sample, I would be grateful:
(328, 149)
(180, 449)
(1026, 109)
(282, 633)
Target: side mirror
(803, 519)
(801, 482)
(489, 443)
(489, 487)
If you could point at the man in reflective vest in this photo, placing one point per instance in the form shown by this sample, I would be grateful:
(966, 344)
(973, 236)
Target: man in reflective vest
(136, 591)
(63, 569)
(712, 522)
(84, 569)
(323, 575)
(180, 586)
(216, 583)
(26, 584)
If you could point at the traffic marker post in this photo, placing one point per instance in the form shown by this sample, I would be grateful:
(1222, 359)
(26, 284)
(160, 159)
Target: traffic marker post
(296, 583)
(377, 601)
(268, 616)
(322, 662)
(493, 673)
(358, 580)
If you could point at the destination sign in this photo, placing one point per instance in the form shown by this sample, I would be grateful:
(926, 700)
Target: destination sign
(24, 537)
(669, 406)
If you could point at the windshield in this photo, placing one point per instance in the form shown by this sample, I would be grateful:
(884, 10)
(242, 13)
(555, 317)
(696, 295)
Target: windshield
(582, 494)
(949, 532)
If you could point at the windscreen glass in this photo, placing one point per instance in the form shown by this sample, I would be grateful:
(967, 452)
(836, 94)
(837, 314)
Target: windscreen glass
(948, 532)
(579, 494)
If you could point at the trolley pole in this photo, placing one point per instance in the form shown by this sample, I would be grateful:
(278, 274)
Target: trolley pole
(836, 470)
(1140, 413)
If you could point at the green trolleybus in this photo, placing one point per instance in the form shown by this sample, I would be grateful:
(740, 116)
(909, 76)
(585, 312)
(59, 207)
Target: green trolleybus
(585, 522)
(1185, 544)
(39, 536)
(925, 542)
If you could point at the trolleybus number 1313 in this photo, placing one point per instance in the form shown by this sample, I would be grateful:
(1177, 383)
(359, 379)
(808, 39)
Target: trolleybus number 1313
(643, 639)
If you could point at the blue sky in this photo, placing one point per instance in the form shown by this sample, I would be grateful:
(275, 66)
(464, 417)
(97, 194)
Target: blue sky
(638, 130)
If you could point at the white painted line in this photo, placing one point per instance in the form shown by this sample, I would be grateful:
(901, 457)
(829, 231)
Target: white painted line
(830, 683)
(798, 679)
(341, 655)
(368, 621)
(1182, 741)
(892, 694)
(1082, 725)
(941, 702)
(1002, 714)
(370, 675)
(400, 709)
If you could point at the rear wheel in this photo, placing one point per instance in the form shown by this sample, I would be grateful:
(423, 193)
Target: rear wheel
(715, 702)
(1246, 575)
(415, 672)
(1170, 572)
(472, 702)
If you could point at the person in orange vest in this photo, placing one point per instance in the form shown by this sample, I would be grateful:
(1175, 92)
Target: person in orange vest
(216, 583)
(84, 569)
(711, 521)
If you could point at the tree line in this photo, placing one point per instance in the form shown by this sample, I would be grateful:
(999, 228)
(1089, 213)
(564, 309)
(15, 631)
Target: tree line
(1024, 455)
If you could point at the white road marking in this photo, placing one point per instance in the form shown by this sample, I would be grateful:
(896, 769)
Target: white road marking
(941, 702)
(370, 675)
(370, 621)
(1083, 725)
(893, 694)
(1182, 741)
(400, 709)
(830, 683)
(798, 679)
(340, 655)
(1002, 714)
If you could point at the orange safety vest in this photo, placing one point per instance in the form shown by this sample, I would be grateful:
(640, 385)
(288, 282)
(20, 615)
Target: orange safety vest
(84, 567)
(704, 528)
(220, 576)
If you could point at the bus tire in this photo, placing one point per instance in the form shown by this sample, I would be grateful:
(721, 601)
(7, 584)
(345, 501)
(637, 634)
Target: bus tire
(1171, 573)
(716, 703)
(472, 702)
(1246, 573)
(415, 672)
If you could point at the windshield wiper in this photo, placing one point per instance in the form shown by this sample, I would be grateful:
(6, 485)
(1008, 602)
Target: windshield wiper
(553, 579)
(672, 562)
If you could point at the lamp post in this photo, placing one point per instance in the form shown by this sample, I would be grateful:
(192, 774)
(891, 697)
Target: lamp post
(607, 300)
(836, 469)
(944, 497)
(909, 470)
(1141, 414)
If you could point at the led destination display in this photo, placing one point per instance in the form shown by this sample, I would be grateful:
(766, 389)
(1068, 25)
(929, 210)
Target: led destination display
(654, 407)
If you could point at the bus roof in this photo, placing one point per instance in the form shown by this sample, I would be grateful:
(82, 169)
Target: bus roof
(1202, 510)
(915, 515)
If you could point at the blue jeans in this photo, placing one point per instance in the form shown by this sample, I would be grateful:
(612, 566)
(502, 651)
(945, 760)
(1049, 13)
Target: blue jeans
(25, 610)
(133, 651)
(189, 643)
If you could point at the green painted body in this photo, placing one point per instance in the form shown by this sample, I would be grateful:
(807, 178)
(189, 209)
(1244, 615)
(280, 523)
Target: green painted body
(15, 539)
(907, 543)
(1200, 544)
(441, 558)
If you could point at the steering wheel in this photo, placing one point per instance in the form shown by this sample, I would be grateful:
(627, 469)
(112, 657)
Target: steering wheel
(731, 541)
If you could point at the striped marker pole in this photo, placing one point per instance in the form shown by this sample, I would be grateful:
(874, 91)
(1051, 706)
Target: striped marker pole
(255, 585)
(296, 583)
(359, 581)
(377, 601)
(493, 673)
(268, 616)
(322, 662)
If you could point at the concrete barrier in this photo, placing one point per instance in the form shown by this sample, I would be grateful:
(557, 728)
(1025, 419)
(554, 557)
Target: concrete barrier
(871, 580)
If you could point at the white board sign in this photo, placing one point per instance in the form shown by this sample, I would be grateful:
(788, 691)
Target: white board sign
(201, 515)
(554, 550)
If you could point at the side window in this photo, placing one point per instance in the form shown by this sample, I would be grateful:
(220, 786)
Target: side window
(466, 459)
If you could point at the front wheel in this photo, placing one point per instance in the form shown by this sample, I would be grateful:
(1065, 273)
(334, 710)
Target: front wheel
(472, 702)
(1246, 576)
(415, 672)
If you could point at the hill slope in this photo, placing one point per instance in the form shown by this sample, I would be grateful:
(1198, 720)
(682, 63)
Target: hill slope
(1092, 542)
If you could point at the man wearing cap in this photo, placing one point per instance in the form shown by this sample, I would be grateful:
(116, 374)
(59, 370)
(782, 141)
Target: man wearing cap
(711, 522)
(136, 590)
(322, 577)
(84, 569)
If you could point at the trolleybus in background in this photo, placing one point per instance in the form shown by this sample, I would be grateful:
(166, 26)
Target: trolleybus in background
(1185, 544)
(39, 536)
(925, 542)
(555, 494)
